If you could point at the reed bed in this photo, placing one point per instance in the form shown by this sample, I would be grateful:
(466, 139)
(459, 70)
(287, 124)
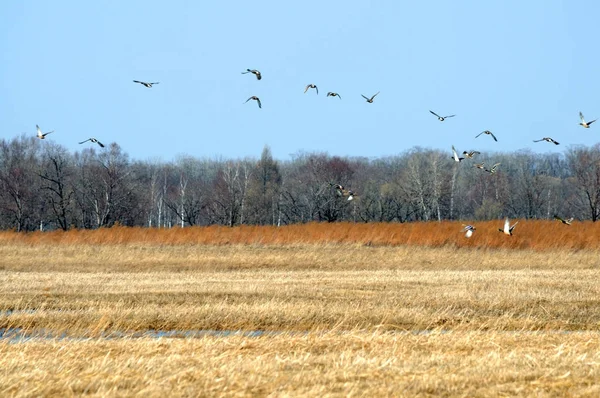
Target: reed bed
(529, 234)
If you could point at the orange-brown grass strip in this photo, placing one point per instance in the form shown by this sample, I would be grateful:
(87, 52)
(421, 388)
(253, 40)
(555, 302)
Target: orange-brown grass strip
(529, 234)
(355, 363)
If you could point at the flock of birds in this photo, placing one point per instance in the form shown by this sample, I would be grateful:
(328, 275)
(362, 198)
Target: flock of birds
(349, 194)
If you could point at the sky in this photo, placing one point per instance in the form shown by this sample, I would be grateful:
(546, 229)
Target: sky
(521, 69)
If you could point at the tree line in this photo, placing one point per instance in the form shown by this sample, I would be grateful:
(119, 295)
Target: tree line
(46, 187)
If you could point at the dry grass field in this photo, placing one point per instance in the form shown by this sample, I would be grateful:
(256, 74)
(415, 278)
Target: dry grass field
(343, 310)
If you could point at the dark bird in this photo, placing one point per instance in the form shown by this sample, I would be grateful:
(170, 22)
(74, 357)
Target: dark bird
(567, 221)
(469, 155)
(507, 230)
(488, 132)
(455, 155)
(584, 123)
(311, 86)
(95, 141)
(547, 139)
(330, 94)
(493, 169)
(149, 85)
(254, 72)
(41, 135)
(441, 118)
(370, 100)
(255, 98)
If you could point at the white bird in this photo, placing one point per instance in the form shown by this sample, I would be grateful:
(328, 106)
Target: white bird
(41, 135)
(584, 123)
(507, 228)
(468, 230)
(455, 155)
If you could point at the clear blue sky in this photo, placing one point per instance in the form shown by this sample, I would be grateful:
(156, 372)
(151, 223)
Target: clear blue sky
(522, 69)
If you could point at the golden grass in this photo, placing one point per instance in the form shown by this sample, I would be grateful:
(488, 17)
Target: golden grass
(473, 364)
(529, 234)
(349, 316)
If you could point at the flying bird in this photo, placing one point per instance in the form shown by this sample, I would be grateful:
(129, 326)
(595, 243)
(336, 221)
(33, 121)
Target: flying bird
(95, 141)
(547, 139)
(441, 118)
(488, 132)
(330, 94)
(370, 100)
(584, 123)
(507, 228)
(149, 85)
(493, 169)
(254, 72)
(468, 230)
(567, 221)
(479, 166)
(455, 155)
(41, 135)
(469, 155)
(343, 192)
(255, 98)
(311, 86)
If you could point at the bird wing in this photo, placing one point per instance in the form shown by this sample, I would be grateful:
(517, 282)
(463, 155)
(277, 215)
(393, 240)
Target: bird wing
(364, 97)
(82, 142)
(506, 226)
(446, 117)
(374, 95)
(479, 134)
(248, 100)
(433, 113)
(155, 83)
(317, 88)
(555, 142)
(513, 227)
(306, 89)
(493, 136)
(99, 143)
(259, 104)
(558, 218)
(538, 140)
(137, 81)
(588, 123)
(581, 117)
(454, 154)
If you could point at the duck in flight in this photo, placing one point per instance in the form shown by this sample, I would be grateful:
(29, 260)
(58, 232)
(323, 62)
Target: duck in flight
(370, 100)
(41, 135)
(343, 192)
(567, 221)
(547, 139)
(254, 72)
(311, 86)
(255, 98)
(507, 228)
(95, 141)
(455, 155)
(469, 155)
(584, 123)
(468, 230)
(493, 169)
(145, 84)
(488, 132)
(441, 118)
(332, 94)
(480, 166)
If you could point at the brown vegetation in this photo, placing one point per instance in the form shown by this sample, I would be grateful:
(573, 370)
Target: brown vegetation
(528, 234)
